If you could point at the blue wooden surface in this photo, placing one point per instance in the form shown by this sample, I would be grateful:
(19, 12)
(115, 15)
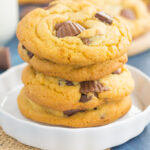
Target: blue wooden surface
(141, 61)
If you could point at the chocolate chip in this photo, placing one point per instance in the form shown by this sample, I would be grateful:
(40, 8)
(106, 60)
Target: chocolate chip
(4, 58)
(117, 71)
(72, 112)
(84, 98)
(30, 54)
(23, 47)
(69, 83)
(85, 41)
(68, 28)
(104, 17)
(92, 86)
(95, 108)
(128, 13)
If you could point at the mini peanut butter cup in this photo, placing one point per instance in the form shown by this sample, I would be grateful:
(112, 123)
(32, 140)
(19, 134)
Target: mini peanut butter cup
(68, 28)
(102, 16)
(85, 98)
(92, 86)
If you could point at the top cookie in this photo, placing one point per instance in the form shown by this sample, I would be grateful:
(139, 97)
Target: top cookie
(73, 33)
(133, 12)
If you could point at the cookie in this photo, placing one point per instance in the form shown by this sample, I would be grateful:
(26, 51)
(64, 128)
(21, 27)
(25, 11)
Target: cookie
(69, 72)
(74, 33)
(133, 12)
(102, 115)
(61, 95)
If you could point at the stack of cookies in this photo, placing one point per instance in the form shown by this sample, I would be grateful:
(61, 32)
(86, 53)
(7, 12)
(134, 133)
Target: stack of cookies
(76, 75)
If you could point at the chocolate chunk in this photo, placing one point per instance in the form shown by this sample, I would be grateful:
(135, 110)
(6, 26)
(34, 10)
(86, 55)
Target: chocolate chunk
(104, 17)
(84, 98)
(68, 28)
(117, 71)
(92, 86)
(128, 13)
(72, 112)
(96, 94)
(57, 26)
(4, 58)
(69, 83)
(95, 108)
(85, 41)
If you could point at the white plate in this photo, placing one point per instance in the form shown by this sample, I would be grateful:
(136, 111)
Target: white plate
(61, 138)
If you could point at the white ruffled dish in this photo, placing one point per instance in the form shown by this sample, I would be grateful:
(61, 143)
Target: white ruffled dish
(61, 138)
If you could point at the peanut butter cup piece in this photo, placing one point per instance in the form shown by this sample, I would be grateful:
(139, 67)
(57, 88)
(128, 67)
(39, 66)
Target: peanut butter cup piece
(84, 98)
(102, 16)
(92, 86)
(96, 94)
(128, 13)
(85, 41)
(72, 112)
(68, 28)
